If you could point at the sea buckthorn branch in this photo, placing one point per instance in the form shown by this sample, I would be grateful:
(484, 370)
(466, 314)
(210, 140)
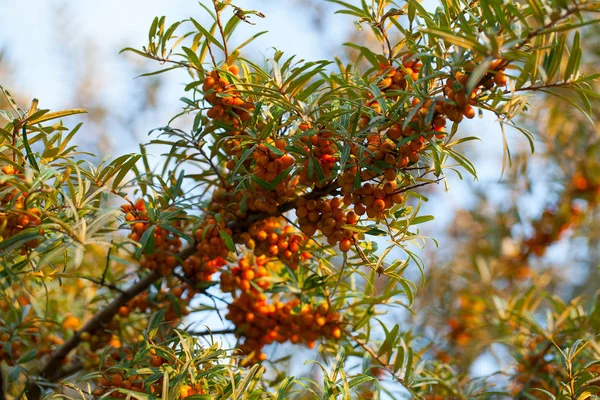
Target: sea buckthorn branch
(103, 316)
(2, 396)
(228, 331)
(361, 343)
(51, 370)
(220, 25)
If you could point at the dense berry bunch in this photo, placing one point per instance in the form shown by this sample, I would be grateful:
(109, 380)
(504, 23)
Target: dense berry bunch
(320, 150)
(460, 102)
(262, 323)
(210, 242)
(329, 218)
(247, 273)
(391, 78)
(268, 237)
(166, 244)
(219, 90)
(15, 215)
(373, 200)
(272, 166)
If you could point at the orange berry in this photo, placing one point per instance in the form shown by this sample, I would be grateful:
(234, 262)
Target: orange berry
(248, 275)
(345, 245)
(156, 361)
(116, 380)
(379, 205)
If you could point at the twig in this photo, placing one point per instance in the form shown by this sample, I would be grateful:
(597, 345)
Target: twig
(101, 283)
(540, 87)
(2, 397)
(107, 263)
(220, 25)
(212, 166)
(210, 333)
(167, 60)
(382, 363)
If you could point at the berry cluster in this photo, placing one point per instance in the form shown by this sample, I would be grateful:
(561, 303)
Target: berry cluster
(270, 166)
(100, 338)
(396, 78)
(228, 107)
(550, 227)
(261, 323)
(14, 215)
(246, 274)
(469, 317)
(10, 350)
(586, 185)
(372, 200)
(390, 80)
(114, 376)
(210, 238)
(461, 103)
(318, 147)
(173, 302)
(269, 238)
(166, 244)
(329, 217)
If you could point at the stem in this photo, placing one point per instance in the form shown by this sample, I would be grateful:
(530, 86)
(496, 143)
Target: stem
(220, 25)
(14, 141)
(107, 263)
(382, 363)
(210, 333)
(167, 60)
(2, 396)
(541, 87)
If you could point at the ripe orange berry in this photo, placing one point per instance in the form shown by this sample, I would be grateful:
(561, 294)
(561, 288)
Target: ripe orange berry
(234, 69)
(156, 361)
(379, 205)
(72, 323)
(116, 380)
(248, 274)
(500, 79)
(345, 245)
(336, 333)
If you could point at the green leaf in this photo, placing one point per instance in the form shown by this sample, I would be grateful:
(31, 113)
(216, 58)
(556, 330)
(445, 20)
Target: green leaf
(6, 115)
(247, 42)
(146, 242)
(390, 341)
(572, 67)
(57, 114)
(207, 34)
(227, 239)
(465, 42)
(30, 155)
(124, 169)
(153, 323)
